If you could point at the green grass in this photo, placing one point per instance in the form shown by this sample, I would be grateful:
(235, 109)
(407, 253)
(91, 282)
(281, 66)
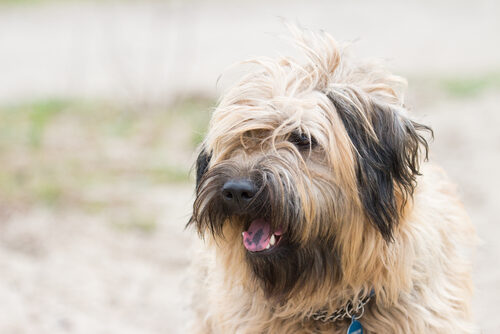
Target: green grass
(168, 174)
(39, 115)
(141, 223)
(467, 86)
(196, 111)
(48, 193)
(56, 152)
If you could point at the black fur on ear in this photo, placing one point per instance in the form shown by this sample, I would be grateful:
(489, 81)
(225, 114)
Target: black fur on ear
(388, 146)
(202, 165)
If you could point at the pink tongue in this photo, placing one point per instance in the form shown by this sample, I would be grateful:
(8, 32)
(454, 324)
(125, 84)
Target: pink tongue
(256, 238)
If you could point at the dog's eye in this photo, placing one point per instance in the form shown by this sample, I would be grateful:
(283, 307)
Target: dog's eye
(302, 141)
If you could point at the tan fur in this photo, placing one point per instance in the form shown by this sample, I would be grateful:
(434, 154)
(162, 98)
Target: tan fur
(421, 278)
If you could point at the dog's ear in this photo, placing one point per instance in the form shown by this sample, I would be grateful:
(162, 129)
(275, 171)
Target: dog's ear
(388, 147)
(202, 165)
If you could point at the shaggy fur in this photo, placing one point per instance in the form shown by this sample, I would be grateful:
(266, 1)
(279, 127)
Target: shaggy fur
(337, 164)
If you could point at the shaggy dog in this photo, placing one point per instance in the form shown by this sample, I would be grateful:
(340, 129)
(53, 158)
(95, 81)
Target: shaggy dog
(317, 211)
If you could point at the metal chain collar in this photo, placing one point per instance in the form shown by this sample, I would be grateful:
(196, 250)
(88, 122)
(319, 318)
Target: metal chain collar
(353, 312)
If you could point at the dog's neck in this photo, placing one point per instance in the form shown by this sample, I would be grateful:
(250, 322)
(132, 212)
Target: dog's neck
(352, 310)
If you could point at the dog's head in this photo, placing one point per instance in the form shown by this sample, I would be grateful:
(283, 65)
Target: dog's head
(306, 171)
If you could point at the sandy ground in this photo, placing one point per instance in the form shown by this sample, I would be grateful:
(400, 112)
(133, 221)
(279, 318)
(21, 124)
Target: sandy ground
(71, 272)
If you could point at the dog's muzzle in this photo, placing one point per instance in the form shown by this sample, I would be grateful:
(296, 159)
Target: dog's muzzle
(237, 195)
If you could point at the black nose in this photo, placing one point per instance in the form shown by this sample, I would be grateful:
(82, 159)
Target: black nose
(238, 193)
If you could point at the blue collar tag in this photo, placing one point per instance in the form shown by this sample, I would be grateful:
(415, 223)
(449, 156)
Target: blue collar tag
(355, 327)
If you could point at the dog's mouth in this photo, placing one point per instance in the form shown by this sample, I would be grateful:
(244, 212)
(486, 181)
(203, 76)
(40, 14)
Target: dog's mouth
(259, 237)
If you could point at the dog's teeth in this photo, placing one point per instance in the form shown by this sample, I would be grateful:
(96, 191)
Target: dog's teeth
(268, 246)
(272, 240)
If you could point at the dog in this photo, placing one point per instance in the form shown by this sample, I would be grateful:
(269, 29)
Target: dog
(318, 209)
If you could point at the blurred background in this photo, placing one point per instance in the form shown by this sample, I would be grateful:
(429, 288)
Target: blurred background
(102, 104)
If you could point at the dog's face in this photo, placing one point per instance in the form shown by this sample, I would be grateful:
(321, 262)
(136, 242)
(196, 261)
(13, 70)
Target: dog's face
(293, 182)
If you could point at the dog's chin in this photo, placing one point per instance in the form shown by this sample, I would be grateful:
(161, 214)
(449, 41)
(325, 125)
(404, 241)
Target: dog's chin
(282, 267)
(276, 270)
